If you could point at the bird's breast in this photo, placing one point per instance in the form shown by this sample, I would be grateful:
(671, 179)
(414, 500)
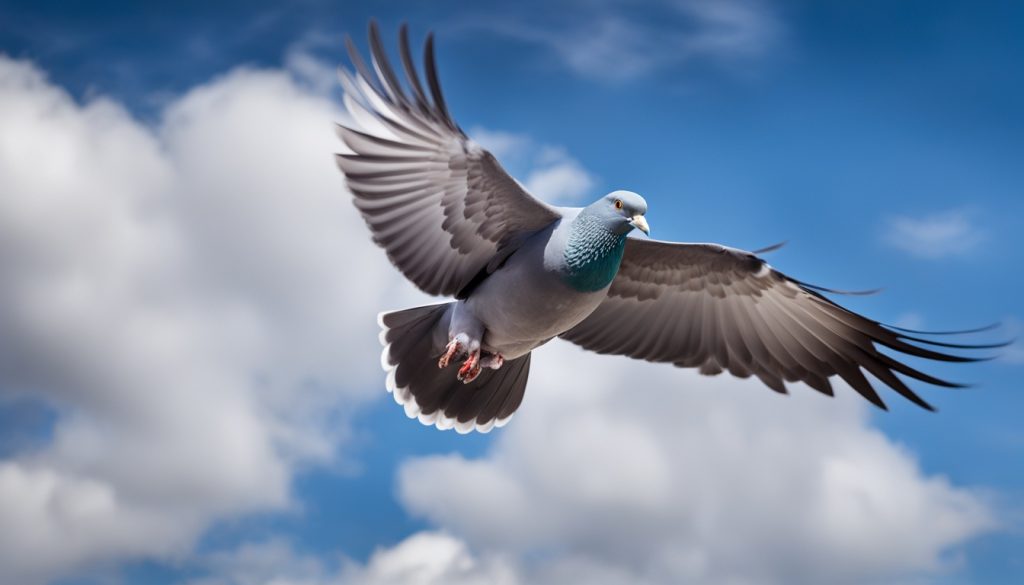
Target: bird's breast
(532, 299)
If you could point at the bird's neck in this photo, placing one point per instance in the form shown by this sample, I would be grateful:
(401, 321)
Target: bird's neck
(592, 254)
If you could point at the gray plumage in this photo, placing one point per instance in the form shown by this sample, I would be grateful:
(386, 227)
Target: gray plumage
(523, 272)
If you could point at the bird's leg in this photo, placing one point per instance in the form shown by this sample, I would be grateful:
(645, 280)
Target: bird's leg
(470, 368)
(491, 360)
(467, 332)
(460, 346)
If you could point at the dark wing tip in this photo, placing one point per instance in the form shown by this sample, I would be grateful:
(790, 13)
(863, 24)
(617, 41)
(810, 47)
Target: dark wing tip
(361, 69)
(996, 345)
(410, 70)
(836, 291)
(384, 70)
(988, 327)
(987, 358)
(434, 83)
(350, 46)
(880, 404)
(771, 248)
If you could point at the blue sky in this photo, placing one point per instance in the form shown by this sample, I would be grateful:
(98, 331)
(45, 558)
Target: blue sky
(180, 266)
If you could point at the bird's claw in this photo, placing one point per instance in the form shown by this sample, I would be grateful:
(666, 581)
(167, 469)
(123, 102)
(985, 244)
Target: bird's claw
(451, 352)
(470, 368)
(474, 363)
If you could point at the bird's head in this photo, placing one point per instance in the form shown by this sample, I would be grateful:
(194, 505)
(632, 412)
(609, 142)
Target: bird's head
(622, 211)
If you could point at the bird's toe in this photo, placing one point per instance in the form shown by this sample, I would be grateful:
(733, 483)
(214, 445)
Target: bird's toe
(470, 368)
(452, 352)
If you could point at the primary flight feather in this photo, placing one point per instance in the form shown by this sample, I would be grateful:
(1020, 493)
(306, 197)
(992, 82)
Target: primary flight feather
(523, 272)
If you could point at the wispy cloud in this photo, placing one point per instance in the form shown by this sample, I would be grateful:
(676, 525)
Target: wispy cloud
(615, 42)
(1013, 353)
(911, 320)
(302, 58)
(939, 235)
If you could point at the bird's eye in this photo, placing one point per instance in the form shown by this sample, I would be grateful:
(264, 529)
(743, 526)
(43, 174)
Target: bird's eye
(618, 204)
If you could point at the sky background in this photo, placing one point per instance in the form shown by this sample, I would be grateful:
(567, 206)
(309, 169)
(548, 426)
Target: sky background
(190, 390)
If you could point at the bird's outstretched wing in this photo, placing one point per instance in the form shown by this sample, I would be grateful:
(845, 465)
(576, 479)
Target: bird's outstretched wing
(716, 308)
(440, 205)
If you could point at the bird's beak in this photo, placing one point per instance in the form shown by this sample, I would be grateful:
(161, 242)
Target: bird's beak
(640, 223)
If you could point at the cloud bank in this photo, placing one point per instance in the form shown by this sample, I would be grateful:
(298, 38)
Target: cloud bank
(181, 300)
(681, 478)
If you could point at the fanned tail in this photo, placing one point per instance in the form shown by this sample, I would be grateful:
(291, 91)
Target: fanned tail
(413, 341)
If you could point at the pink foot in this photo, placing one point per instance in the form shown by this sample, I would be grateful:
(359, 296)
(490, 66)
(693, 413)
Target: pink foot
(470, 368)
(453, 350)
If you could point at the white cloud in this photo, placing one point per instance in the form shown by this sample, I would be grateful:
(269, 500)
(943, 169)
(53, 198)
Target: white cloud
(425, 558)
(550, 172)
(503, 145)
(621, 471)
(936, 236)
(562, 182)
(430, 558)
(560, 177)
(602, 41)
(184, 299)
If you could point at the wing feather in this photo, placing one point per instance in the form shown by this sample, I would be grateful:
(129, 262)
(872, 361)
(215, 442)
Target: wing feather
(721, 309)
(441, 206)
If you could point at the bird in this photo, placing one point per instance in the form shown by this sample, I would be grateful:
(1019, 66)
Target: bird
(521, 272)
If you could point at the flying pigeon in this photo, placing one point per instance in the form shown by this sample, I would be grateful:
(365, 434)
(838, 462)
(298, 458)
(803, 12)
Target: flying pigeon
(523, 272)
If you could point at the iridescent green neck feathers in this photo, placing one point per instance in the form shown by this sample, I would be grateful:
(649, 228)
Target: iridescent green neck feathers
(592, 254)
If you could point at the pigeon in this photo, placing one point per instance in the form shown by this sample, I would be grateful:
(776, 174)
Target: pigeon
(523, 272)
